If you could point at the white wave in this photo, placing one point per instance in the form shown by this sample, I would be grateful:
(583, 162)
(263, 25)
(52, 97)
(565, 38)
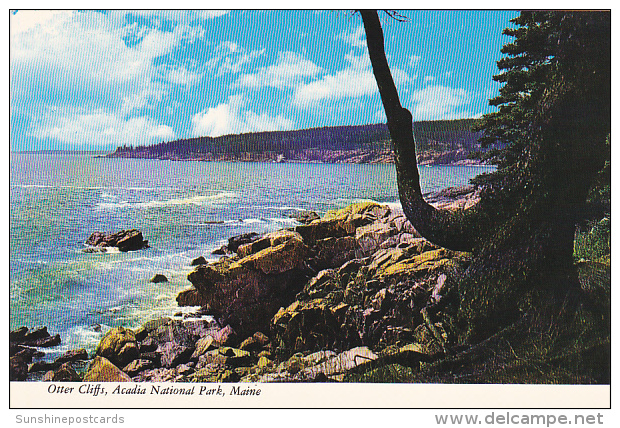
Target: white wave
(282, 220)
(395, 205)
(98, 250)
(106, 195)
(286, 208)
(195, 200)
(253, 220)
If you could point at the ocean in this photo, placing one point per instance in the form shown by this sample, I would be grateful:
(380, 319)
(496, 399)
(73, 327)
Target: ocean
(184, 209)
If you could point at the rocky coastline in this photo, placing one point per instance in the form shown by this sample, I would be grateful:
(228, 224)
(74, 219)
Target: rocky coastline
(332, 299)
(450, 157)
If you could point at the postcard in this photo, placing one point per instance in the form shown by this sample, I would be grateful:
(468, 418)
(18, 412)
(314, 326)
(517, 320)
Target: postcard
(310, 209)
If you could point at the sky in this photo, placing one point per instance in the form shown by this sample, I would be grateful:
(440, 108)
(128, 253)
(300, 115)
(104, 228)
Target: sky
(96, 80)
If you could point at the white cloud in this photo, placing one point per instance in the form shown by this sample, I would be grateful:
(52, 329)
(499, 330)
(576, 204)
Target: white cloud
(230, 57)
(137, 100)
(70, 45)
(211, 14)
(290, 69)
(229, 46)
(235, 64)
(233, 118)
(89, 129)
(356, 38)
(355, 80)
(182, 76)
(440, 102)
(79, 63)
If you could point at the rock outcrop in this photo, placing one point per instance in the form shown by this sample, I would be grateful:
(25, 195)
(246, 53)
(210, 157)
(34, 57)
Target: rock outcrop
(23, 344)
(245, 291)
(357, 277)
(124, 240)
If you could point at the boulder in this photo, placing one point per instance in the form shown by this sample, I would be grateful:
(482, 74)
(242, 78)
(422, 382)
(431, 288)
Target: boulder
(222, 251)
(312, 325)
(174, 332)
(235, 241)
(280, 258)
(124, 240)
(148, 327)
(371, 236)
(199, 261)
(191, 297)
(333, 252)
(224, 336)
(73, 355)
(18, 335)
(22, 344)
(38, 337)
(339, 364)
(173, 354)
(305, 217)
(200, 326)
(393, 270)
(18, 367)
(272, 239)
(203, 345)
(102, 370)
(255, 342)
(119, 346)
(246, 292)
(65, 373)
(336, 224)
(45, 342)
(255, 246)
(137, 366)
(158, 278)
(235, 357)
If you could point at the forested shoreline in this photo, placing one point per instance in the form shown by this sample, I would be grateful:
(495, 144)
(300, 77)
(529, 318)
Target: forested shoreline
(438, 142)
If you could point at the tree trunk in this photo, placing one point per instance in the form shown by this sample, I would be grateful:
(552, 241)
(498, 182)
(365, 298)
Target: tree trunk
(448, 229)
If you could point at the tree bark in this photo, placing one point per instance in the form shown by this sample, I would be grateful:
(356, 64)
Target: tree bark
(442, 227)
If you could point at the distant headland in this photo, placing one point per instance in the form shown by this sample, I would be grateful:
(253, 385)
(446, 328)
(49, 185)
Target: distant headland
(442, 142)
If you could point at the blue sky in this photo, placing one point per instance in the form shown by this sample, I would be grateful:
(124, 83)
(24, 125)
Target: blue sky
(97, 80)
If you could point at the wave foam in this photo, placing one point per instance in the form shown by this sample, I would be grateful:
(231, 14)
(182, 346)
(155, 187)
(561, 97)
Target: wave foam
(195, 200)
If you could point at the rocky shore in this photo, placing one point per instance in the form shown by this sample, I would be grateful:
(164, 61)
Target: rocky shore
(337, 297)
(451, 157)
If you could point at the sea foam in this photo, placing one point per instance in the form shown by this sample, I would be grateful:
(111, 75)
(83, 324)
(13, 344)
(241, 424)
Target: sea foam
(198, 200)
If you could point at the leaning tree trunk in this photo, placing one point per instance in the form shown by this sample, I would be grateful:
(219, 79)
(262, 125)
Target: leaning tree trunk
(448, 229)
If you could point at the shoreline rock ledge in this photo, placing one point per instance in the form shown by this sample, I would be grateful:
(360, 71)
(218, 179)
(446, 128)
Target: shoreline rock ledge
(357, 277)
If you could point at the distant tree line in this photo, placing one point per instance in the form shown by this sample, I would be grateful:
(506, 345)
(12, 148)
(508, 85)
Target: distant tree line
(441, 135)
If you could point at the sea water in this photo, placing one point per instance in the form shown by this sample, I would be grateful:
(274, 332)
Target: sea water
(184, 209)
